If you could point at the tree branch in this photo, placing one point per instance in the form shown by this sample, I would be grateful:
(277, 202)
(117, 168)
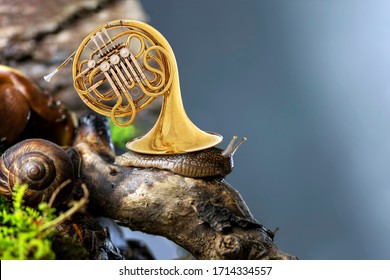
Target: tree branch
(207, 217)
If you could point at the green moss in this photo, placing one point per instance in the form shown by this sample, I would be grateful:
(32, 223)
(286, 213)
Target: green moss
(4, 204)
(24, 231)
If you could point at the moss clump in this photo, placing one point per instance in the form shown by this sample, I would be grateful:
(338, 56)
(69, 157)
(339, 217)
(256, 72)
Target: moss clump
(24, 231)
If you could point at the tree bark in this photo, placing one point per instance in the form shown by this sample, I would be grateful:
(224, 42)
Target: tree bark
(207, 217)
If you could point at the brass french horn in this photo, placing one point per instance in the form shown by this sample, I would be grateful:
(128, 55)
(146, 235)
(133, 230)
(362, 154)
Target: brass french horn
(119, 69)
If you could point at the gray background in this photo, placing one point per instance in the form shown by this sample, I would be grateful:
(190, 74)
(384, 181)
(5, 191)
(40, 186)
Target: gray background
(308, 83)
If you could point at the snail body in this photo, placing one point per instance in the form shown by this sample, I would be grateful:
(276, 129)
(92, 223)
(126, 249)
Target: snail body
(204, 163)
(40, 164)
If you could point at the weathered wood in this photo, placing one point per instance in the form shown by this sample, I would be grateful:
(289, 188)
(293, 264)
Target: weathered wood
(207, 217)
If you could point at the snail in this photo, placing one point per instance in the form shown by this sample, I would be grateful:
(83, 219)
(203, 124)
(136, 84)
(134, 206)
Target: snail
(40, 164)
(42, 104)
(30, 112)
(204, 163)
(15, 109)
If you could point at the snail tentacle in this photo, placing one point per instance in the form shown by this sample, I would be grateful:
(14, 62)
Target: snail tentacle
(231, 148)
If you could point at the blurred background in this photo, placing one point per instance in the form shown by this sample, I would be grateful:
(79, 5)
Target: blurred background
(306, 81)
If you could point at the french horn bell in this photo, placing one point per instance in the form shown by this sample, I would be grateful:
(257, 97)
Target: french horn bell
(119, 69)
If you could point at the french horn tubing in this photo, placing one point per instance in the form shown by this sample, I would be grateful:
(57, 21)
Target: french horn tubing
(119, 69)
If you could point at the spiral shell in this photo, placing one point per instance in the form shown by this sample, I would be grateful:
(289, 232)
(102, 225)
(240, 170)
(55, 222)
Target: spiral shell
(40, 164)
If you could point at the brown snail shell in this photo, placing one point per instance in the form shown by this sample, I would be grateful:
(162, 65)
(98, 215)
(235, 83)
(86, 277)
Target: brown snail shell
(14, 111)
(39, 102)
(29, 112)
(40, 164)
